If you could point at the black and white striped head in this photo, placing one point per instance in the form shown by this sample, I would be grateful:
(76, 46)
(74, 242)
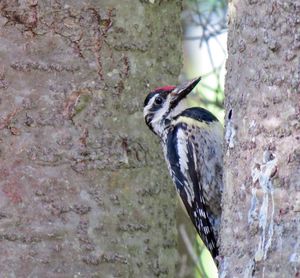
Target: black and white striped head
(165, 103)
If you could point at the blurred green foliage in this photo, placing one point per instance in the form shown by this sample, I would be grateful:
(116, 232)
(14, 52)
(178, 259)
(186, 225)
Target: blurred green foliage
(205, 27)
(205, 31)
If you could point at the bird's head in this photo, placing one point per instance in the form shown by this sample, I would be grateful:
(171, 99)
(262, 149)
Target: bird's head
(165, 103)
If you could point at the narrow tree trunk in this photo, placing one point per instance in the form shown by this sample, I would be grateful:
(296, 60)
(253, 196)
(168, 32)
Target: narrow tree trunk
(84, 190)
(261, 204)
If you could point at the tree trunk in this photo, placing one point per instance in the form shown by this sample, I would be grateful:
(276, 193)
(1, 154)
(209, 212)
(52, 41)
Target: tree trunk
(260, 234)
(84, 188)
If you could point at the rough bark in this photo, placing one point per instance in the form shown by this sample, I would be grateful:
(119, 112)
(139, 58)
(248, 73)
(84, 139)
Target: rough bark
(261, 204)
(84, 190)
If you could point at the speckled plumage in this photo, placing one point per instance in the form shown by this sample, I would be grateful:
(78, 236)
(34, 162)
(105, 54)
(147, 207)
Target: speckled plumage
(192, 142)
(193, 152)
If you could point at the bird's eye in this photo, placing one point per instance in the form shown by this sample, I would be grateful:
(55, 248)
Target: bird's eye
(158, 100)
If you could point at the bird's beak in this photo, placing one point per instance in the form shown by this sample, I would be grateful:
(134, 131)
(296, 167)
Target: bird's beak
(182, 91)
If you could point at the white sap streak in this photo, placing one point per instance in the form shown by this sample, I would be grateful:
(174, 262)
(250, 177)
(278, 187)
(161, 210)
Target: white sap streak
(266, 221)
(252, 214)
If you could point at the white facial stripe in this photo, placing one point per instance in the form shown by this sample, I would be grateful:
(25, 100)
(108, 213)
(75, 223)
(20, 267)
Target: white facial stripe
(182, 105)
(149, 105)
(158, 127)
(157, 115)
(162, 111)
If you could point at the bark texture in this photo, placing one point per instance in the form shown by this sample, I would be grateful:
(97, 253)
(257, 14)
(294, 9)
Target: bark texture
(261, 216)
(84, 190)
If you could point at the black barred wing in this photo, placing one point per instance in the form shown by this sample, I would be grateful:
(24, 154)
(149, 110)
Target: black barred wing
(182, 158)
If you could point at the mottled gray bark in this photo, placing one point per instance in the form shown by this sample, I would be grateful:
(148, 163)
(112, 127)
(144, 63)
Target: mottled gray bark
(261, 216)
(84, 190)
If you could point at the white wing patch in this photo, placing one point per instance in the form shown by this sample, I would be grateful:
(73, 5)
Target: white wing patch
(183, 164)
(182, 151)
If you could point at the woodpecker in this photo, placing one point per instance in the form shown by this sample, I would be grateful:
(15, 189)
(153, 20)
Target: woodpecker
(191, 139)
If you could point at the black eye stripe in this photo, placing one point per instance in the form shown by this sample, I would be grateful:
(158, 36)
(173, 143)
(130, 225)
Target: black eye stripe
(162, 94)
(158, 100)
(154, 108)
(150, 96)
